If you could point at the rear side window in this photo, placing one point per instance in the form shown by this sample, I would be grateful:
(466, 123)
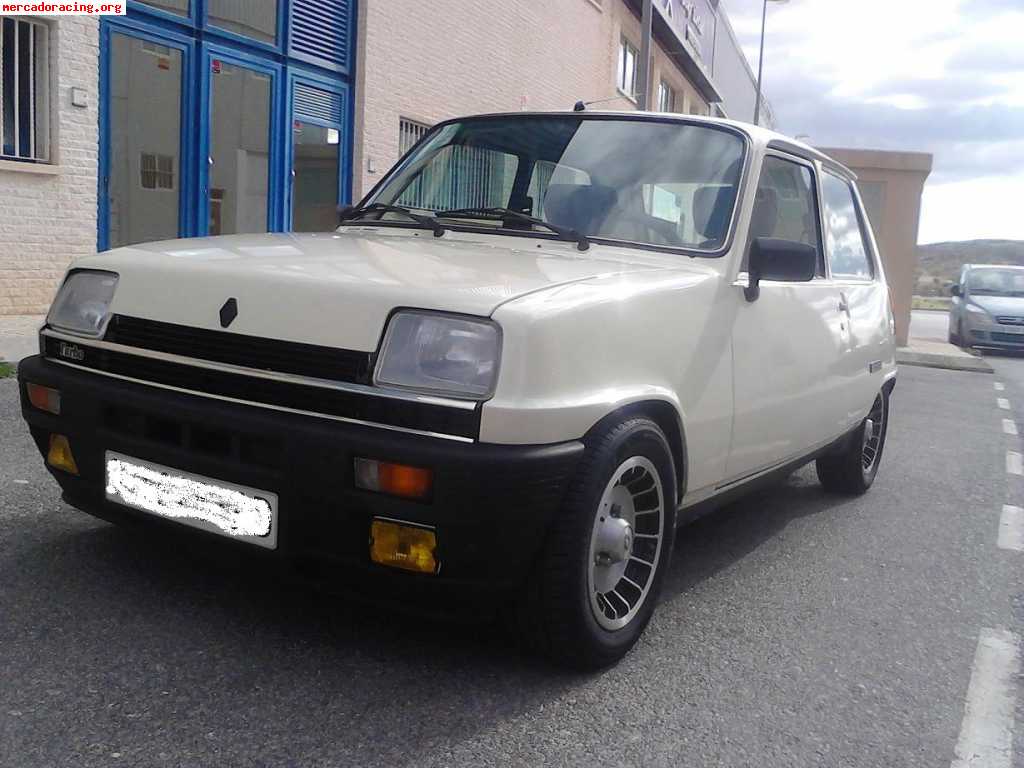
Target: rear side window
(785, 205)
(844, 233)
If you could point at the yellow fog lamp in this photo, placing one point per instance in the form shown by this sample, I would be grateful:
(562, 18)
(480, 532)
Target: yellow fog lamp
(60, 456)
(405, 546)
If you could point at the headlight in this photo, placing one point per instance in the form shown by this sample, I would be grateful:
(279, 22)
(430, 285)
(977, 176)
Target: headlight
(441, 354)
(976, 310)
(83, 302)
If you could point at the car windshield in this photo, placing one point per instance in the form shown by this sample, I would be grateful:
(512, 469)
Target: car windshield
(996, 282)
(659, 183)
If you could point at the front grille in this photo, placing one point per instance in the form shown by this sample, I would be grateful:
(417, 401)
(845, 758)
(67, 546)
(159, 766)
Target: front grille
(172, 432)
(1008, 320)
(374, 409)
(1007, 338)
(235, 349)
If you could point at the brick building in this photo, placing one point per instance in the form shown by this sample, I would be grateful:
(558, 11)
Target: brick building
(196, 117)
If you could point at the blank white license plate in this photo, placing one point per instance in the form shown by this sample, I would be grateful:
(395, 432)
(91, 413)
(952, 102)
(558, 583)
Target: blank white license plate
(243, 513)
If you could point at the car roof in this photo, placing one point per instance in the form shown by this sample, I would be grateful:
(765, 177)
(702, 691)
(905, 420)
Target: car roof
(993, 266)
(763, 136)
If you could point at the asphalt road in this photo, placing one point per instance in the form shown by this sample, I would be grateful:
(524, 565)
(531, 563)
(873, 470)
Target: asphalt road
(797, 629)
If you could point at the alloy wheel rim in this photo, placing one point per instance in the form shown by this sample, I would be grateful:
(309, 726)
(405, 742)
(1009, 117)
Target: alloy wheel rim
(625, 543)
(872, 440)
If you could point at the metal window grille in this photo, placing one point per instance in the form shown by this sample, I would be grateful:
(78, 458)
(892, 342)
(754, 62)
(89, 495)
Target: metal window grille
(409, 132)
(165, 171)
(24, 89)
(462, 177)
(156, 171)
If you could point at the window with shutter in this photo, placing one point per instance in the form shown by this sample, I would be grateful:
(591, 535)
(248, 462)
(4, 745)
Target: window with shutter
(320, 32)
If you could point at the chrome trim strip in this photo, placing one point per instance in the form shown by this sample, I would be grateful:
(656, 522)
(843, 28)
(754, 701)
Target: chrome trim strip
(358, 389)
(359, 422)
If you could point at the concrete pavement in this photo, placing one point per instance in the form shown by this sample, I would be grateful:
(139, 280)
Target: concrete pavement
(796, 629)
(18, 336)
(929, 345)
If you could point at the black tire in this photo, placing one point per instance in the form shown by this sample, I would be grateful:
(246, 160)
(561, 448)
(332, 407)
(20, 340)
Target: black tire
(555, 615)
(846, 471)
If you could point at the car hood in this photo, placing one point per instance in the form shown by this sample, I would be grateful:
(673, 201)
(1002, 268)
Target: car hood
(1000, 305)
(338, 288)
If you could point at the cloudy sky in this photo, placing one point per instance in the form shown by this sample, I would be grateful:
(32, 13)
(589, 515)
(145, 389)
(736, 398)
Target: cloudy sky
(940, 76)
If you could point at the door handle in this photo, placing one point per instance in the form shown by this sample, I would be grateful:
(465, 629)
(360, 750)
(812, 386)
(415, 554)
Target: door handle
(844, 305)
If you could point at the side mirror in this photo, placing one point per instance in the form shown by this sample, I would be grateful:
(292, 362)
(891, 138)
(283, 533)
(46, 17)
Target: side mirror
(955, 290)
(783, 260)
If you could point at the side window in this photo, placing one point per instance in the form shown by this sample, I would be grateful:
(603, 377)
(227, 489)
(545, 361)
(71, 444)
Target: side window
(785, 205)
(847, 252)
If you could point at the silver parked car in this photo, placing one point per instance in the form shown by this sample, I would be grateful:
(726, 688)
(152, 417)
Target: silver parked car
(988, 307)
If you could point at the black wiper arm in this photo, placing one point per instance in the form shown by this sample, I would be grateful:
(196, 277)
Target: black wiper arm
(565, 233)
(352, 212)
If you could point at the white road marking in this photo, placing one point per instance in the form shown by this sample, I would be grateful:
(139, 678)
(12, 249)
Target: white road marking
(1003, 403)
(986, 733)
(1011, 528)
(1014, 463)
(1009, 427)
(1000, 386)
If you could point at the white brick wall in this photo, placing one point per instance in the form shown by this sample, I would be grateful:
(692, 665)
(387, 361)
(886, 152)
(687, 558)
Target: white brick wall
(445, 58)
(46, 220)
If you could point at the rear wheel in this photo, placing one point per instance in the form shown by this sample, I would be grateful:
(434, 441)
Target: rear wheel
(853, 470)
(596, 584)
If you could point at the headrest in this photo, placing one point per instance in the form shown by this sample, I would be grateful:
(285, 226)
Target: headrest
(765, 216)
(711, 208)
(582, 207)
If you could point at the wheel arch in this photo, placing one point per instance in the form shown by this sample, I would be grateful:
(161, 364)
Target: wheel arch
(666, 416)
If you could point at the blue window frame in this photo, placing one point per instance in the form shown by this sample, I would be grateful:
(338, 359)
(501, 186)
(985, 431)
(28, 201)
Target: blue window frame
(311, 55)
(186, 47)
(211, 56)
(325, 103)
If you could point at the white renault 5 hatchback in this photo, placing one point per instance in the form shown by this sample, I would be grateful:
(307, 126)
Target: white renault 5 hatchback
(540, 344)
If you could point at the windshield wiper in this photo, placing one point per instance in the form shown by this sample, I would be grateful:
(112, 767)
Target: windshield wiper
(350, 212)
(564, 233)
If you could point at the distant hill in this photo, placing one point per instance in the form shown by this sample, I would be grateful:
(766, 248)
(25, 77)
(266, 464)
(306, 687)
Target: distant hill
(938, 264)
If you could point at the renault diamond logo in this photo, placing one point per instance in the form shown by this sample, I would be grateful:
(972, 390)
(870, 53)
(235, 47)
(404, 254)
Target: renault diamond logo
(228, 313)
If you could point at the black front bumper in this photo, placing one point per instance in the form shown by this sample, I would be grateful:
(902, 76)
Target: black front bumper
(490, 504)
(990, 339)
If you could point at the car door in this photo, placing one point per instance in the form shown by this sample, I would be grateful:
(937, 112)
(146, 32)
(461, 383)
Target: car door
(787, 343)
(864, 300)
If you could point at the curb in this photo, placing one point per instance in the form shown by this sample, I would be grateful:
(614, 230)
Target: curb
(945, 362)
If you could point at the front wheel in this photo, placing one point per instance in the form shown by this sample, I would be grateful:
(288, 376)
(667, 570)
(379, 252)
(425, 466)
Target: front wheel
(853, 470)
(597, 581)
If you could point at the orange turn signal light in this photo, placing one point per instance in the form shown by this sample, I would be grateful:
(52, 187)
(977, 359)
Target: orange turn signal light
(60, 456)
(408, 547)
(394, 479)
(44, 398)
